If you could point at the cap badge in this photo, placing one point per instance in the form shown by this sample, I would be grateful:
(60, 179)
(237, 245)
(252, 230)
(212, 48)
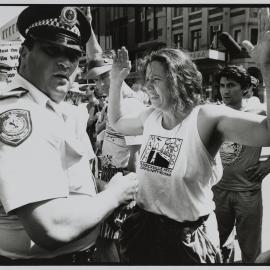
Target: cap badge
(68, 16)
(15, 126)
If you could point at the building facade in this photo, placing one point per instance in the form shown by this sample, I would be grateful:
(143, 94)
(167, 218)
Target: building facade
(196, 29)
(9, 31)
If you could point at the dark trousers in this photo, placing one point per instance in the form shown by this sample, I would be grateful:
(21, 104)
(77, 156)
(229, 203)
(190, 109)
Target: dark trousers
(242, 209)
(107, 251)
(150, 239)
(77, 258)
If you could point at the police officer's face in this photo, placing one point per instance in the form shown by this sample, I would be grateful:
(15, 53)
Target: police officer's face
(50, 68)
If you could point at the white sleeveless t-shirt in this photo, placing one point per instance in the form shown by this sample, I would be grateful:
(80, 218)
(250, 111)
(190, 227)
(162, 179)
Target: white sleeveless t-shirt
(175, 171)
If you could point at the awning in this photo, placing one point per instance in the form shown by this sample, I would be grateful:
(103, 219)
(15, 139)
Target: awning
(207, 54)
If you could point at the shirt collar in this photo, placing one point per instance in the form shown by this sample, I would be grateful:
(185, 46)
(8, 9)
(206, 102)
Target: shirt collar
(38, 96)
(34, 92)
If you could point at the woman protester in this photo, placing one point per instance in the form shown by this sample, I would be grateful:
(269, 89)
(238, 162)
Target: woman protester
(179, 158)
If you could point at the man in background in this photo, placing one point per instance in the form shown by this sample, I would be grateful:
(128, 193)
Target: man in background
(238, 195)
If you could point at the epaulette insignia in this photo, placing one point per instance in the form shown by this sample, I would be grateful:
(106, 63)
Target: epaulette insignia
(17, 92)
(15, 126)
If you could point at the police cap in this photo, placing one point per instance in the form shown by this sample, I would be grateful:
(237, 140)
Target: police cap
(55, 24)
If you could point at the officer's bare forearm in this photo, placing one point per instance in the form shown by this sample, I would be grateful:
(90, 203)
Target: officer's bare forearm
(54, 223)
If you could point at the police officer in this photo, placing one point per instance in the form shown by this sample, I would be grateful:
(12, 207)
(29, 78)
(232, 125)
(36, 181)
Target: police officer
(49, 208)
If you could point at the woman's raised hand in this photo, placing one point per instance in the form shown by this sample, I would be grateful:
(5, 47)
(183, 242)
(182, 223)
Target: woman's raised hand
(121, 65)
(261, 52)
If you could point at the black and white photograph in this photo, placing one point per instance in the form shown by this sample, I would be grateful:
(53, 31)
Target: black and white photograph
(134, 134)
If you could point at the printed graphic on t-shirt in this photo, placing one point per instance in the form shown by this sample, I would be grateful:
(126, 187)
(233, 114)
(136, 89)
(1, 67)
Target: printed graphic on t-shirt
(230, 153)
(160, 154)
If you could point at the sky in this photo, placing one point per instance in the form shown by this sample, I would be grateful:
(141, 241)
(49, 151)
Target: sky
(9, 12)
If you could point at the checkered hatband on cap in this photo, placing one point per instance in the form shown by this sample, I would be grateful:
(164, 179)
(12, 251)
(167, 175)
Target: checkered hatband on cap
(55, 22)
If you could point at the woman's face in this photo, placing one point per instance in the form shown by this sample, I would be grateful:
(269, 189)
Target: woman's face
(157, 85)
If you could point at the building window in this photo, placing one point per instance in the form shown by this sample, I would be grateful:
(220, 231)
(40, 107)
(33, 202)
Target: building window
(125, 11)
(237, 35)
(177, 11)
(159, 9)
(108, 42)
(116, 12)
(178, 40)
(253, 12)
(254, 35)
(148, 30)
(13, 28)
(195, 40)
(158, 25)
(194, 9)
(215, 30)
(149, 24)
(9, 31)
(95, 22)
(108, 13)
(3, 34)
(148, 11)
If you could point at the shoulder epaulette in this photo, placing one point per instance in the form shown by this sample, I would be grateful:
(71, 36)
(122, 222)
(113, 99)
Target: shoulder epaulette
(17, 92)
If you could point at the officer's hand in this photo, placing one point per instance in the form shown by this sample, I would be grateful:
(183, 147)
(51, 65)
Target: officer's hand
(125, 187)
(121, 65)
(261, 52)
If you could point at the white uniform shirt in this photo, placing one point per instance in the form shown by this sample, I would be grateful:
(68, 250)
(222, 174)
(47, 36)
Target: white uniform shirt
(52, 162)
(175, 171)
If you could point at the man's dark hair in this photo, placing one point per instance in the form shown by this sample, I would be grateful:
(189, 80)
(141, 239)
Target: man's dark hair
(236, 73)
(29, 43)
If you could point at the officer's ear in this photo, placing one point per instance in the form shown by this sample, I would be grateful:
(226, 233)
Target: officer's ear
(23, 51)
(23, 55)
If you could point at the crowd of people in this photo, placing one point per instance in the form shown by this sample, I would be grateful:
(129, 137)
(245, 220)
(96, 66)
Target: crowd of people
(144, 174)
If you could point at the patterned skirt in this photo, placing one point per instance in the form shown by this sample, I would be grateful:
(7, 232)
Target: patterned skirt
(109, 228)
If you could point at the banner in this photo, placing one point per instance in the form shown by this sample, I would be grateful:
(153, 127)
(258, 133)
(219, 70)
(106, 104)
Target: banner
(9, 54)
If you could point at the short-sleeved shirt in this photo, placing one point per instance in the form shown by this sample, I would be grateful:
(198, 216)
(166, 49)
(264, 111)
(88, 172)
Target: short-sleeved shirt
(236, 158)
(52, 161)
